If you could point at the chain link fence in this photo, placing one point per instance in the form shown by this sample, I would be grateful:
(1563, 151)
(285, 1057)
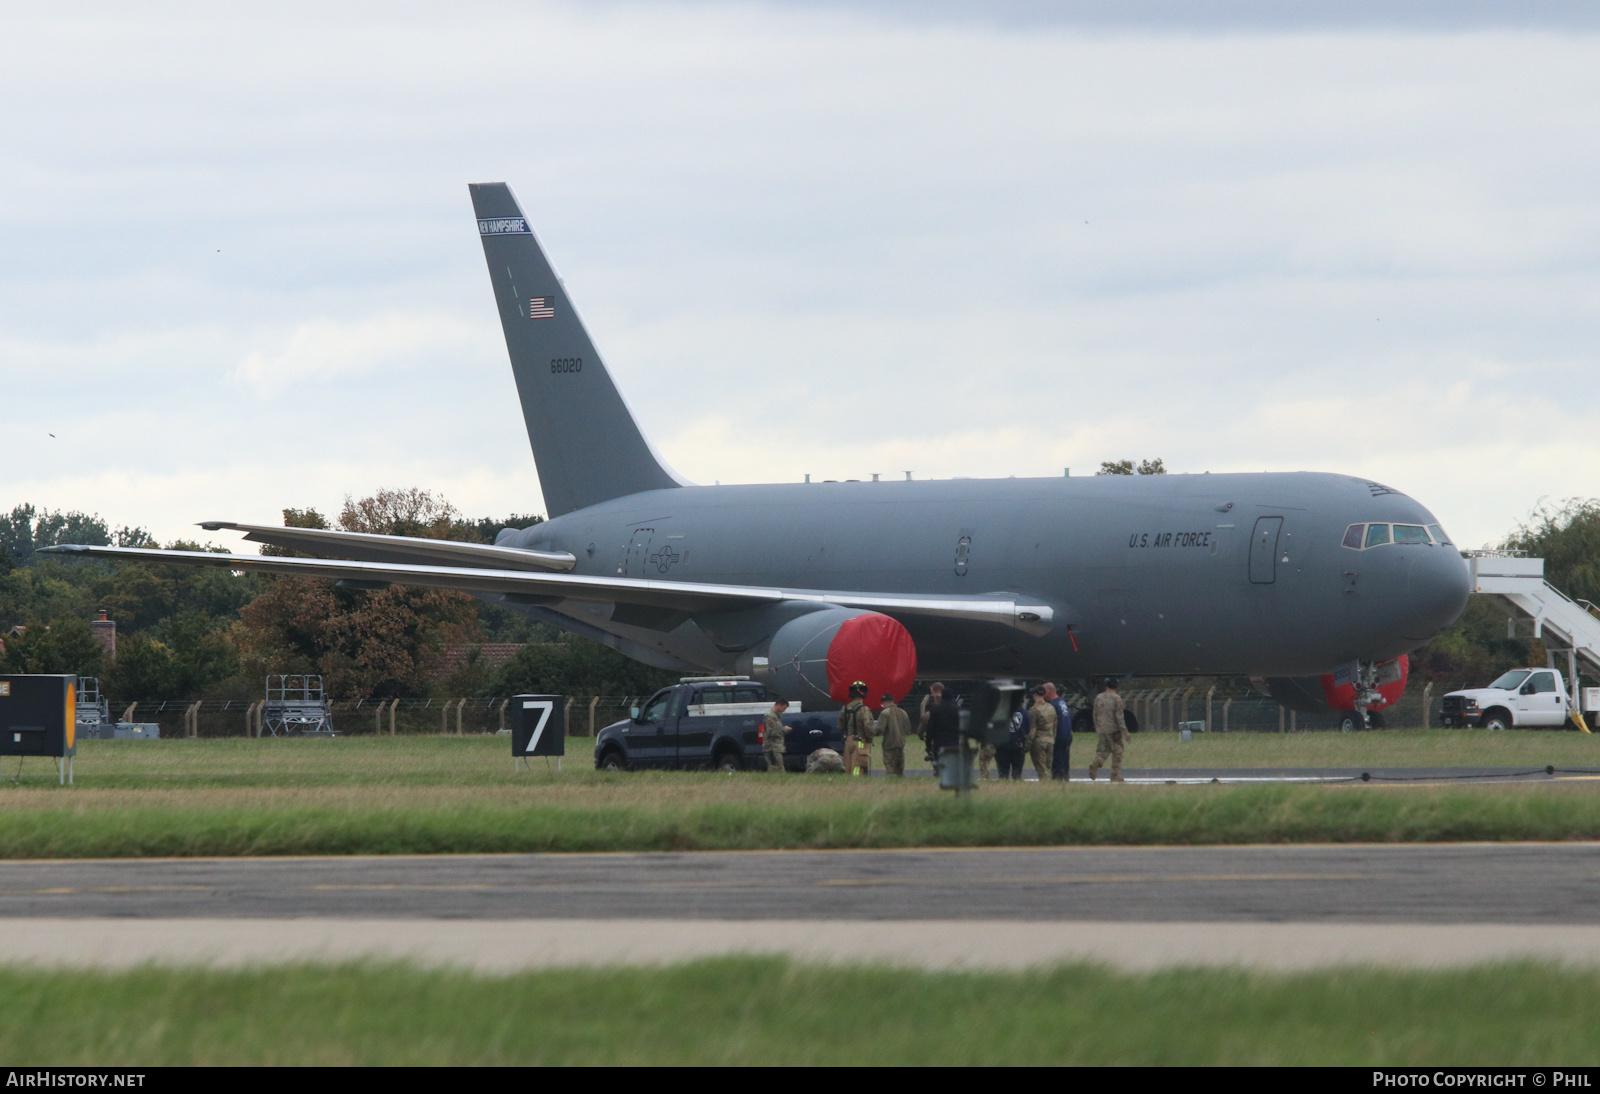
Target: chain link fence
(1157, 709)
(586, 715)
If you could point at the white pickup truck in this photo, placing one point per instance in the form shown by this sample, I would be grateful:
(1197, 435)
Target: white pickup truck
(1521, 699)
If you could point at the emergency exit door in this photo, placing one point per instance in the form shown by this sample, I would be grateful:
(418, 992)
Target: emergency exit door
(1264, 550)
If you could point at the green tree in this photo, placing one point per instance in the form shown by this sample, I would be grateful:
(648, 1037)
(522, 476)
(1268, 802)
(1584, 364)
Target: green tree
(25, 529)
(576, 666)
(67, 645)
(1475, 649)
(1567, 537)
(365, 643)
(1126, 467)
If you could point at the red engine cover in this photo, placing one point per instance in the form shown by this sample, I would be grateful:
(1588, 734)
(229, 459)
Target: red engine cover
(876, 650)
(1343, 696)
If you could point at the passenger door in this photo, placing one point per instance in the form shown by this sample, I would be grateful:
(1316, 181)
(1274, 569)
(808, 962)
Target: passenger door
(1264, 550)
(1539, 702)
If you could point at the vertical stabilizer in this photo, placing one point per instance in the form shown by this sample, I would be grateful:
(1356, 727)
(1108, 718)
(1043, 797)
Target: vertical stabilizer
(586, 444)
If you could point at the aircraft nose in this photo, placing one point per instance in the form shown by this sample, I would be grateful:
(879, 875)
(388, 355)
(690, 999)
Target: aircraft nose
(1437, 587)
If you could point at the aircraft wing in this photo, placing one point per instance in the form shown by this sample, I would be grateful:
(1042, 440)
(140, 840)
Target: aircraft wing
(376, 548)
(1032, 618)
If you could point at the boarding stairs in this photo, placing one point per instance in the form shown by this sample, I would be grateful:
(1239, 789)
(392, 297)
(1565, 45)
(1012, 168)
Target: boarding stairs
(1518, 588)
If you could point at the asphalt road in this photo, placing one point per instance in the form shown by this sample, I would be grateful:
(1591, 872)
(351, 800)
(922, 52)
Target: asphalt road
(1434, 884)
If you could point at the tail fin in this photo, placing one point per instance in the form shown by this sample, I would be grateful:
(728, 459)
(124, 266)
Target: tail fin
(586, 444)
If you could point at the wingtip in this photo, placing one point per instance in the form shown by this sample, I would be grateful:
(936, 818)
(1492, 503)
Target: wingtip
(216, 525)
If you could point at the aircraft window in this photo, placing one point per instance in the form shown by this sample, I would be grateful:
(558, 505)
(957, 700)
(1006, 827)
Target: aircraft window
(1353, 534)
(1377, 534)
(1410, 533)
(1438, 535)
(1543, 682)
(656, 710)
(1510, 680)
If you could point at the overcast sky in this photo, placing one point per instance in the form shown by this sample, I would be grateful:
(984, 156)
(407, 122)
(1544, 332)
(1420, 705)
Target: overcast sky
(239, 270)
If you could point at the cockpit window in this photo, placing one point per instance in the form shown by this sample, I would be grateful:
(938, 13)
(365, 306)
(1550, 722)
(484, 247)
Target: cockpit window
(1353, 534)
(1510, 680)
(1377, 534)
(1410, 533)
(1438, 535)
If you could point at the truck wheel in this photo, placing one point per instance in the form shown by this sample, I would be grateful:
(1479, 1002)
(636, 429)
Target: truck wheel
(730, 762)
(1497, 719)
(612, 761)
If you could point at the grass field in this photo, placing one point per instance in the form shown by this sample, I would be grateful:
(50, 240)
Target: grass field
(486, 760)
(771, 1011)
(381, 795)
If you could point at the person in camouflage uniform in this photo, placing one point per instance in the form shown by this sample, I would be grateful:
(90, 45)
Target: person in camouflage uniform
(773, 732)
(1041, 734)
(1111, 727)
(855, 726)
(893, 725)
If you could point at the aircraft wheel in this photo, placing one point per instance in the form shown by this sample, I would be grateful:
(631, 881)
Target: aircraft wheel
(1349, 722)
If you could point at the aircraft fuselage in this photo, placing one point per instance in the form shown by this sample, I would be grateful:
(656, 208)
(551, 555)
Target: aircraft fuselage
(1153, 575)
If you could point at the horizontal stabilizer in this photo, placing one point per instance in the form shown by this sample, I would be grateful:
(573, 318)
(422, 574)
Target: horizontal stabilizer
(683, 595)
(369, 547)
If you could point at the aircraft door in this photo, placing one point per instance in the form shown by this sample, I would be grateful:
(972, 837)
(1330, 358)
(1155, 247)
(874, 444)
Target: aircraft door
(638, 551)
(1264, 550)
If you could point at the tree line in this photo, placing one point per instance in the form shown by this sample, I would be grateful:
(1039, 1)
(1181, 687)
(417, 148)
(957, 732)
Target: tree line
(187, 632)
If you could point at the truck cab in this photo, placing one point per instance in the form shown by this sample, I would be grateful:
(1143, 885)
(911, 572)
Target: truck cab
(710, 722)
(1520, 699)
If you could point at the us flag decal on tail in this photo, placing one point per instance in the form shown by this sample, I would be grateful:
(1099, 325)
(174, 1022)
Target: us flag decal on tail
(540, 307)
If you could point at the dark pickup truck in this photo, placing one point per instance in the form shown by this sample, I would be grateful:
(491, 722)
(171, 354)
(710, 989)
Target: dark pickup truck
(710, 722)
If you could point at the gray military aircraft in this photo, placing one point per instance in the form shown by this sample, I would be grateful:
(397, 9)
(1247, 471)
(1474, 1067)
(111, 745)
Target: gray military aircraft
(809, 586)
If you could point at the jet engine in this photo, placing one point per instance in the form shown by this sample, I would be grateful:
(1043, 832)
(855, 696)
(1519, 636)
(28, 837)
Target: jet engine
(815, 658)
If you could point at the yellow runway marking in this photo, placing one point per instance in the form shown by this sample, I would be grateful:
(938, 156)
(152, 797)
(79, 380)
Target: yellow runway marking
(61, 890)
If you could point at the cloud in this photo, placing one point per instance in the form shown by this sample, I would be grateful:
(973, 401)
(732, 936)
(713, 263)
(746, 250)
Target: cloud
(383, 346)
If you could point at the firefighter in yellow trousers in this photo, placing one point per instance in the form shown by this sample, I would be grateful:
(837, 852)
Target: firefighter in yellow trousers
(856, 726)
